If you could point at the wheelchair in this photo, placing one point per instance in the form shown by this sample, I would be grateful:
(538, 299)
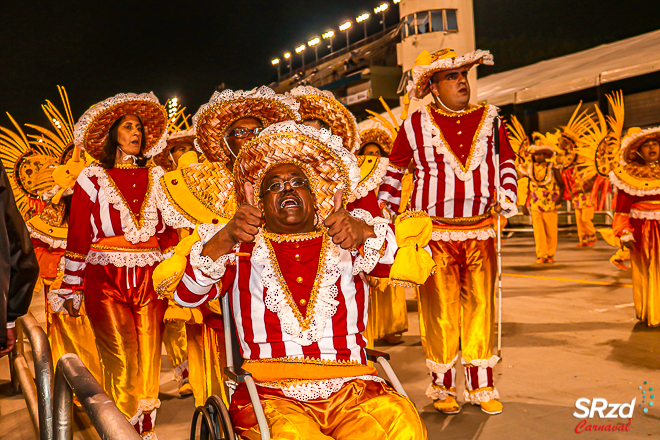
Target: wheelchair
(213, 419)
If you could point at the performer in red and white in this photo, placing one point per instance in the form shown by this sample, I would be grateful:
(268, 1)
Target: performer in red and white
(116, 236)
(297, 294)
(452, 145)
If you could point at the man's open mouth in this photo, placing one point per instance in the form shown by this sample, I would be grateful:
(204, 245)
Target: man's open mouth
(289, 201)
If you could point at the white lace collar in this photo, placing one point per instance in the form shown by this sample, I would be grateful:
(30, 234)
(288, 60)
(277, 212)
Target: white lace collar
(135, 230)
(322, 304)
(478, 149)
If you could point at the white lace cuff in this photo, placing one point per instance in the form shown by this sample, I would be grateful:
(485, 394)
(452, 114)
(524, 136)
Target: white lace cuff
(372, 246)
(436, 392)
(627, 237)
(480, 395)
(212, 269)
(437, 368)
(56, 300)
(482, 363)
(509, 207)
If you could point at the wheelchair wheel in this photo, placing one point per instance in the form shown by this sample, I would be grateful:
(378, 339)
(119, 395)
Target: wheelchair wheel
(207, 430)
(220, 418)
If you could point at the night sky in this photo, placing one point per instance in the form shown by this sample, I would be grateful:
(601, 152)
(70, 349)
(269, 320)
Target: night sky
(98, 49)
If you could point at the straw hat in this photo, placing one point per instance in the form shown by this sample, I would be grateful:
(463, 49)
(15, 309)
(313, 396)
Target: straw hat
(327, 164)
(91, 130)
(162, 159)
(634, 139)
(378, 136)
(213, 118)
(322, 104)
(427, 64)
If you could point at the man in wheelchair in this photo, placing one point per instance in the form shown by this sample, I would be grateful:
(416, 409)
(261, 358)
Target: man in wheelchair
(292, 261)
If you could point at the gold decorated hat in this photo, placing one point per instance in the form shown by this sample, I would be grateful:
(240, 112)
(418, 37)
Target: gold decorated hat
(634, 139)
(544, 143)
(378, 136)
(322, 105)
(91, 130)
(213, 118)
(327, 164)
(427, 64)
(179, 131)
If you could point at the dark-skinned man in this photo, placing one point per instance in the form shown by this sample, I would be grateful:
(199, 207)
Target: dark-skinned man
(188, 196)
(451, 144)
(297, 294)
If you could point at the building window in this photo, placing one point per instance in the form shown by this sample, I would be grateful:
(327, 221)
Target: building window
(452, 24)
(430, 21)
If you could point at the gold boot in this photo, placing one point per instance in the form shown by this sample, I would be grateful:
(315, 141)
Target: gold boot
(447, 406)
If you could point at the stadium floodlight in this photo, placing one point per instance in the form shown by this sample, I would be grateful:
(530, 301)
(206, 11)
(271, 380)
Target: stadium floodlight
(314, 43)
(300, 48)
(381, 10)
(276, 62)
(363, 19)
(329, 35)
(287, 56)
(396, 1)
(345, 27)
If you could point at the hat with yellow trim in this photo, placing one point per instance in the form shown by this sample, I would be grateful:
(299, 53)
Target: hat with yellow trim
(214, 118)
(635, 138)
(321, 156)
(322, 105)
(92, 129)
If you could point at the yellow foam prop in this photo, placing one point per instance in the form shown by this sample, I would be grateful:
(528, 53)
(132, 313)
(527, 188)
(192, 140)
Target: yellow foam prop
(413, 264)
(175, 312)
(168, 274)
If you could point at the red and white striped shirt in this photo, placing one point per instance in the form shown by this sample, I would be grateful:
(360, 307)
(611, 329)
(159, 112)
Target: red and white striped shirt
(286, 316)
(115, 203)
(454, 164)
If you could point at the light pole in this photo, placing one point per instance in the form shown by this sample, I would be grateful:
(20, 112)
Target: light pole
(287, 56)
(301, 49)
(314, 42)
(381, 10)
(329, 35)
(363, 19)
(345, 27)
(276, 62)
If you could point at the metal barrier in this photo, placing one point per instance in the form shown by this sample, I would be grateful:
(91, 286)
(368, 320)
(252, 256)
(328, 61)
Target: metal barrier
(38, 392)
(73, 377)
(561, 228)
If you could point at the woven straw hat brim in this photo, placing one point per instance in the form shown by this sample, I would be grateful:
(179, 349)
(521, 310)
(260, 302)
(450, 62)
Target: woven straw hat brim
(340, 120)
(214, 122)
(377, 136)
(422, 74)
(162, 159)
(95, 124)
(631, 144)
(324, 169)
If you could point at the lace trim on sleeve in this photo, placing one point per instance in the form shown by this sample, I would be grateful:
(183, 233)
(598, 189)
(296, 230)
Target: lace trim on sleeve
(209, 267)
(373, 181)
(56, 300)
(509, 207)
(372, 246)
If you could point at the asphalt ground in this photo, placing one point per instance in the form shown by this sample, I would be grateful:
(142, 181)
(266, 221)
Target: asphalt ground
(568, 332)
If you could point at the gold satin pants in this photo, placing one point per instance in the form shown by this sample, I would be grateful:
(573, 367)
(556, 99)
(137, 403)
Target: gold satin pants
(585, 225)
(176, 347)
(215, 360)
(361, 409)
(545, 233)
(456, 304)
(388, 313)
(645, 262)
(196, 366)
(127, 318)
(68, 334)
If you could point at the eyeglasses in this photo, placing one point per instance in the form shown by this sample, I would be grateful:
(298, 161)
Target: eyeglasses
(278, 187)
(243, 132)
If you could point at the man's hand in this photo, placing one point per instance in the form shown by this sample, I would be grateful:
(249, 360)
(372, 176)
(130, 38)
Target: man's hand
(11, 341)
(242, 228)
(345, 230)
(68, 306)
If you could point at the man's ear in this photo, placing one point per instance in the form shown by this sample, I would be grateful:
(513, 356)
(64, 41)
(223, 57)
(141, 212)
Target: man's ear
(434, 88)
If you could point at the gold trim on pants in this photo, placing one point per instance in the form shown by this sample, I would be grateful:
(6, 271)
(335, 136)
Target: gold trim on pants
(456, 304)
(545, 233)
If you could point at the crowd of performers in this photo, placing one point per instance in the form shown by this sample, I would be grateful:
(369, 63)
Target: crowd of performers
(315, 231)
